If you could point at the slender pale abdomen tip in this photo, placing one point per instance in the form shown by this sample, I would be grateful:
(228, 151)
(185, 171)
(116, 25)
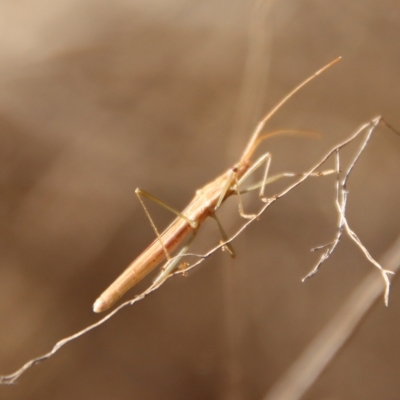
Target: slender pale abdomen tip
(99, 305)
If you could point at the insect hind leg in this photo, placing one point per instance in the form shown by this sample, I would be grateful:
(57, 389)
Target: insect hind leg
(140, 192)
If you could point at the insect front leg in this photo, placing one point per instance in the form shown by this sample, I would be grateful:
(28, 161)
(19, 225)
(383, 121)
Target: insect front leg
(277, 177)
(264, 159)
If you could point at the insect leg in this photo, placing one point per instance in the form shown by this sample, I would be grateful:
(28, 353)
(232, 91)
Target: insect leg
(277, 177)
(264, 159)
(225, 238)
(140, 192)
(171, 264)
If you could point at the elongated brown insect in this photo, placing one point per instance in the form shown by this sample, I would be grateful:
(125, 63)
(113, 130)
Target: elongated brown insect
(205, 202)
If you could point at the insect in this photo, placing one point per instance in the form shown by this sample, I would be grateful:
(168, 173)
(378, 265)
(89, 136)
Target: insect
(204, 204)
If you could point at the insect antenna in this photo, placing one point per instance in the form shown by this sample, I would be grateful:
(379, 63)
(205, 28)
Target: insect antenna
(253, 142)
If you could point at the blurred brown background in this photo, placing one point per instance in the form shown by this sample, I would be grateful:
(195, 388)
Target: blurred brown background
(98, 98)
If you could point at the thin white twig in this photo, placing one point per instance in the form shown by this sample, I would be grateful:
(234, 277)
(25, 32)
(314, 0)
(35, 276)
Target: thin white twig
(341, 203)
